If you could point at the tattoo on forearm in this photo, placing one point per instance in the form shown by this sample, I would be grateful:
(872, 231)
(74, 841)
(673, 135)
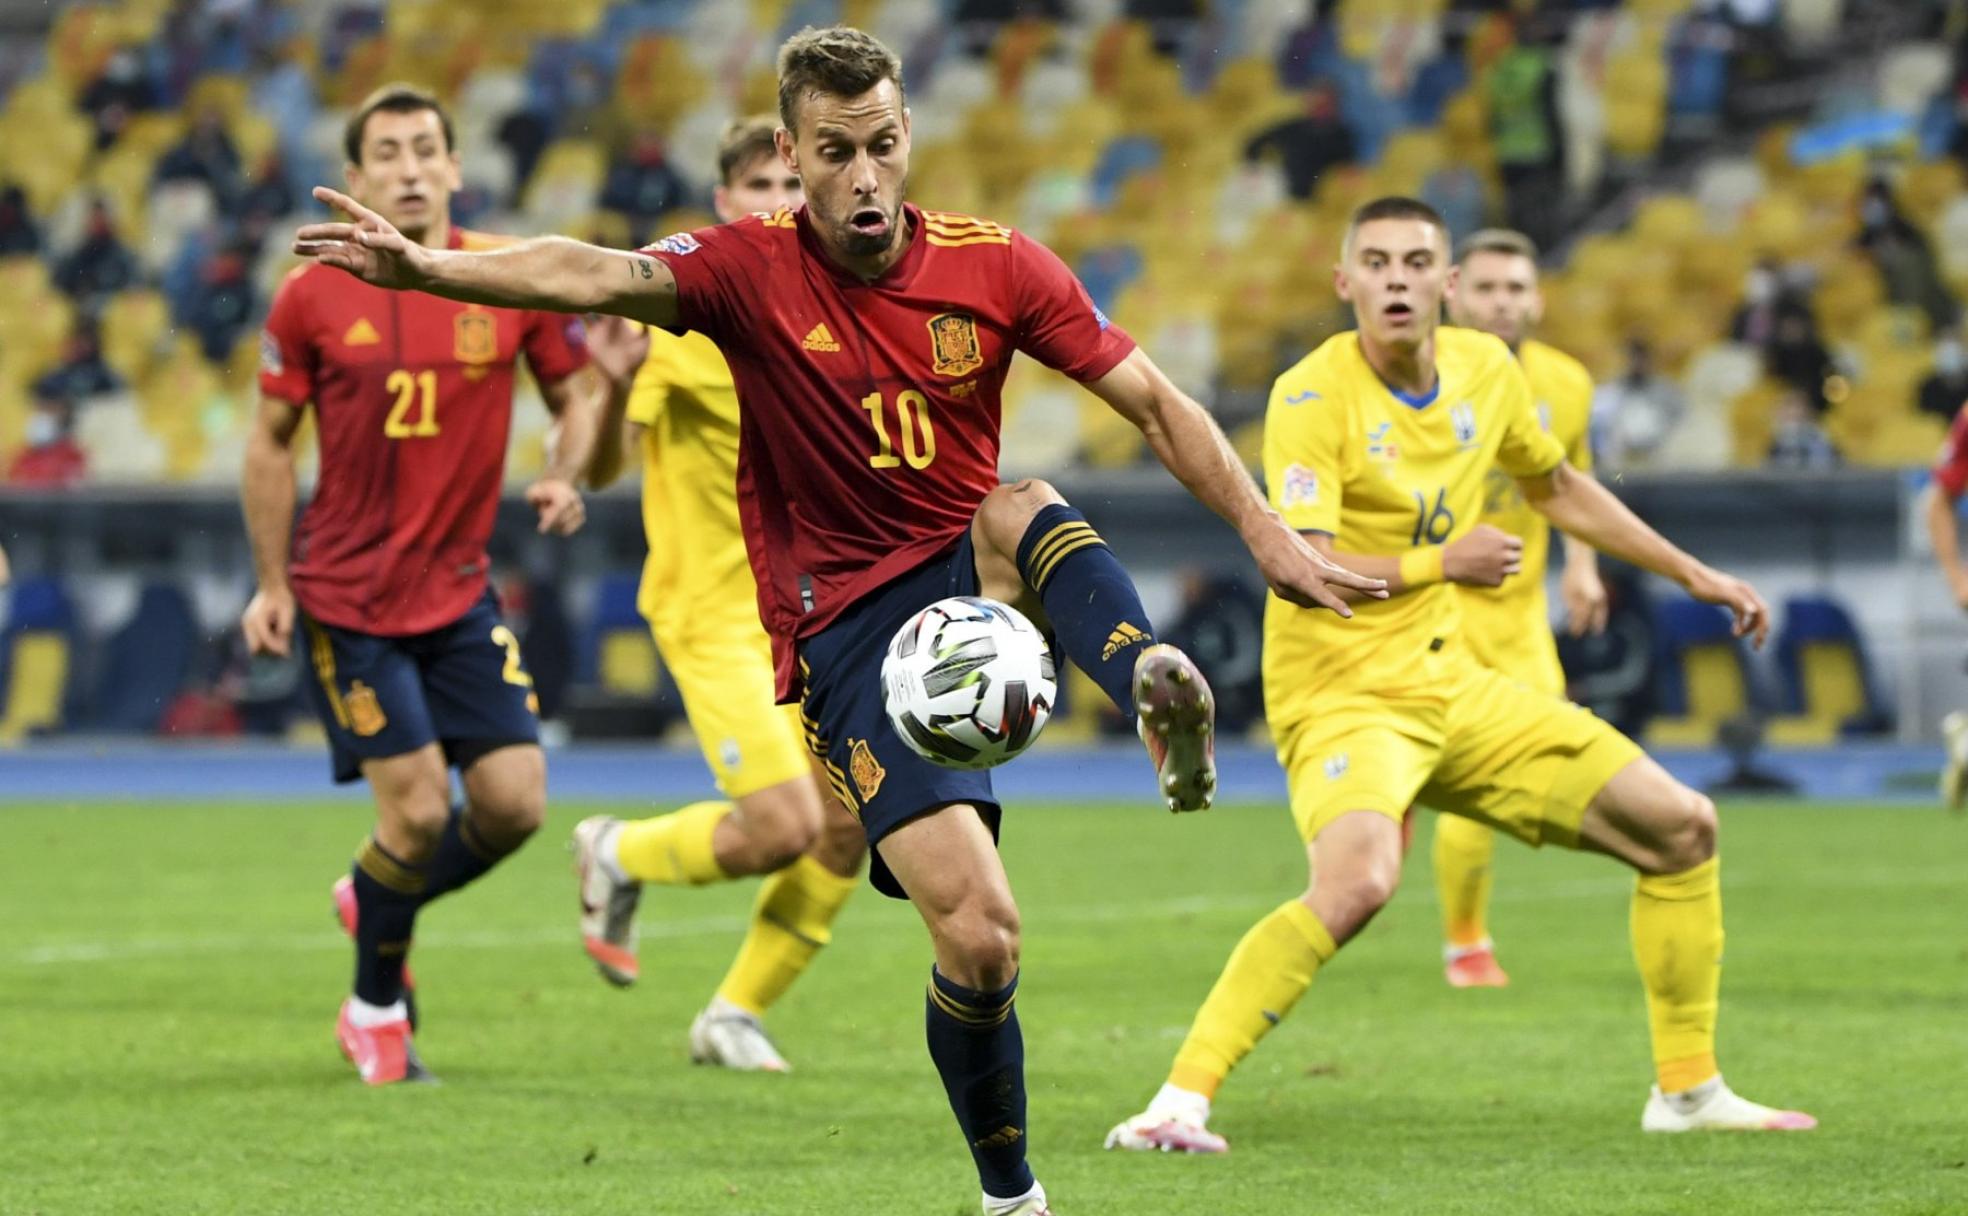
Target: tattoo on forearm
(648, 267)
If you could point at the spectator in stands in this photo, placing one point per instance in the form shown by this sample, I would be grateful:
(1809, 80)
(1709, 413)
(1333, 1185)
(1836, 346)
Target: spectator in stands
(268, 198)
(82, 372)
(641, 184)
(116, 96)
(99, 266)
(1798, 442)
(225, 301)
(1945, 391)
(205, 154)
(50, 458)
(1633, 414)
(1521, 90)
(1308, 144)
(18, 234)
(1777, 320)
(1905, 260)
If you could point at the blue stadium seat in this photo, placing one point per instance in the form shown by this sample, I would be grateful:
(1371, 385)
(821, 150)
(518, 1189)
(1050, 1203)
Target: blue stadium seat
(36, 646)
(617, 654)
(146, 663)
(1703, 674)
(1826, 685)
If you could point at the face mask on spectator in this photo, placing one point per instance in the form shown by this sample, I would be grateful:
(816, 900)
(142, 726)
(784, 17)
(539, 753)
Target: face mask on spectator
(42, 430)
(1948, 357)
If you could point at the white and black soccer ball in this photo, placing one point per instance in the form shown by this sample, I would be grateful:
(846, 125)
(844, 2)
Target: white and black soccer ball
(968, 682)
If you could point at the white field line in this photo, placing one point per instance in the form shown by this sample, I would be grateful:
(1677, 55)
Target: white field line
(136, 946)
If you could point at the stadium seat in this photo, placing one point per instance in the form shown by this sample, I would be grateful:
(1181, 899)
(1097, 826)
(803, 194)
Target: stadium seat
(1827, 687)
(619, 655)
(35, 649)
(1703, 678)
(146, 662)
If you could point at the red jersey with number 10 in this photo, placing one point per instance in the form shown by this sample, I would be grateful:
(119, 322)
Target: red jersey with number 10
(869, 411)
(412, 398)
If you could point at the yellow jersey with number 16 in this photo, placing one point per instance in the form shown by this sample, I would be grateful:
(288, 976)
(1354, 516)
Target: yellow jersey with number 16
(1384, 473)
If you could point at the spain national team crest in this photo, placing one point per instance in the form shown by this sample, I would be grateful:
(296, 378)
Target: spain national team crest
(365, 712)
(864, 768)
(953, 344)
(475, 337)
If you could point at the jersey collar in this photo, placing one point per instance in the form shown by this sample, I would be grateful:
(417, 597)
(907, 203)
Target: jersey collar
(895, 278)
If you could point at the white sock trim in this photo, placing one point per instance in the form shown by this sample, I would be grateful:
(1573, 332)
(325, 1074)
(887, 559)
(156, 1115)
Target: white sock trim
(611, 863)
(366, 1016)
(1175, 1102)
(996, 1206)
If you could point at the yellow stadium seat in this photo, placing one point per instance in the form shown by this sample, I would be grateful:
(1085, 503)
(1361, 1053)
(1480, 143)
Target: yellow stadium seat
(627, 664)
(133, 324)
(567, 180)
(1834, 691)
(37, 679)
(1716, 691)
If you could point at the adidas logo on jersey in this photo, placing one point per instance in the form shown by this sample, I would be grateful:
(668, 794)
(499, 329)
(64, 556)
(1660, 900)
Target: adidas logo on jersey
(361, 334)
(819, 339)
(1124, 636)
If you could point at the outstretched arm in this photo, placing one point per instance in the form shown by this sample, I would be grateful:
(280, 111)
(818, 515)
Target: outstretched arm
(1190, 444)
(1581, 507)
(552, 272)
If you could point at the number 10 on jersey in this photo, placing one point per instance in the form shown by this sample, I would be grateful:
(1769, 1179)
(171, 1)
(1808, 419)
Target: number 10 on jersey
(912, 418)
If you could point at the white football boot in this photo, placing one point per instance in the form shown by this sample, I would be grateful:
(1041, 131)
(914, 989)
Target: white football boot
(1713, 1106)
(1175, 1122)
(608, 903)
(730, 1037)
(1954, 776)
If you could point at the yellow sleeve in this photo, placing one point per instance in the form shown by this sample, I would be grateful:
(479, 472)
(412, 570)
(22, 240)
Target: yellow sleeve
(1304, 427)
(1527, 450)
(651, 390)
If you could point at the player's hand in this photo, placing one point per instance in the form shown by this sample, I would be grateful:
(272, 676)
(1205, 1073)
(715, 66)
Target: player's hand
(1483, 557)
(1752, 615)
(561, 510)
(1302, 575)
(268, 622)
(618, 347)
(1586, 604)
(370, 247)
(5, 574)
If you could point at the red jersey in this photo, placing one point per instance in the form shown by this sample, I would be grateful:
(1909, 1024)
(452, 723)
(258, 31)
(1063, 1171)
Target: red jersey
(1951, 471)
(870, 411)
(412, 399)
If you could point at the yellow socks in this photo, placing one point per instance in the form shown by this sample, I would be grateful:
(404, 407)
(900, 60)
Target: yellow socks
(1677, 940)
(1267, 973)
(1463, 850)
(792, 919)
(675, 849)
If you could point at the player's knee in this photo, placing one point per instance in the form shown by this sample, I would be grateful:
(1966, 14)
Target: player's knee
(515, 815)
(842, 846)
(1345, 903)
(1007, 510)
(780, 824)
(982, 942)
(1690, 841)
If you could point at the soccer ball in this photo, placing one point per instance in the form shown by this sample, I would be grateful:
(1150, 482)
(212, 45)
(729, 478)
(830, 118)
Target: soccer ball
(968, 683)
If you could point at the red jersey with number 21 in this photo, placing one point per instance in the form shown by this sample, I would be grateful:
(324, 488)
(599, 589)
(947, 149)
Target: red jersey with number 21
(869, 411)
(412, 398)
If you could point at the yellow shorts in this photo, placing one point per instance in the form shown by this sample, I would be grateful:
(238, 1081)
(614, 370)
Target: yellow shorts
(725, 678)
(1483, 747)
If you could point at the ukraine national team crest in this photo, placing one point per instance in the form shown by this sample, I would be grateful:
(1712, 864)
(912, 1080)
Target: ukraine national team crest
(475, 337)
(1463, 419)
(365, 712)
(1380, 444)
(864, 768)
(1544, 415)
(953, 344)
(1336, 766)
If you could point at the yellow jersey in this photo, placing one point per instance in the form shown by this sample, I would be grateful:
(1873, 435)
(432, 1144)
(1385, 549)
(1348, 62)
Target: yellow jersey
(697, 574)
(1383, 472)
(1504, 624)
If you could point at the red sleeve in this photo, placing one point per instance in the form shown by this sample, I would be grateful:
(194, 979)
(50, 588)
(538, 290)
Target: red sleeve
(286, 355)
(1058, 323)
(1951, 474)
(556, 345)
(717, 270)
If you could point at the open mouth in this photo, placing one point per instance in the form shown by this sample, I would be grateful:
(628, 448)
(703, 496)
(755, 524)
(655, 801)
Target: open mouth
(869, 221)
(412, 200)
(1398, 311)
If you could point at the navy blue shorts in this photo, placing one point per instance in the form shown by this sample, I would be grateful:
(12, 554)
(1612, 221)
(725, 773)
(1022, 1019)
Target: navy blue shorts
(463, 687)
(871, 769)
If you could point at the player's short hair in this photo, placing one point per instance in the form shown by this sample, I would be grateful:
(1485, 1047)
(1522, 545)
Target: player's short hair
(837, 61)
(1394, 207)
(396, 98)
(744, 141)
(1496, 240)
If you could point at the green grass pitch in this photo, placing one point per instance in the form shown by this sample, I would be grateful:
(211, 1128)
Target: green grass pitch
(169, 976)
